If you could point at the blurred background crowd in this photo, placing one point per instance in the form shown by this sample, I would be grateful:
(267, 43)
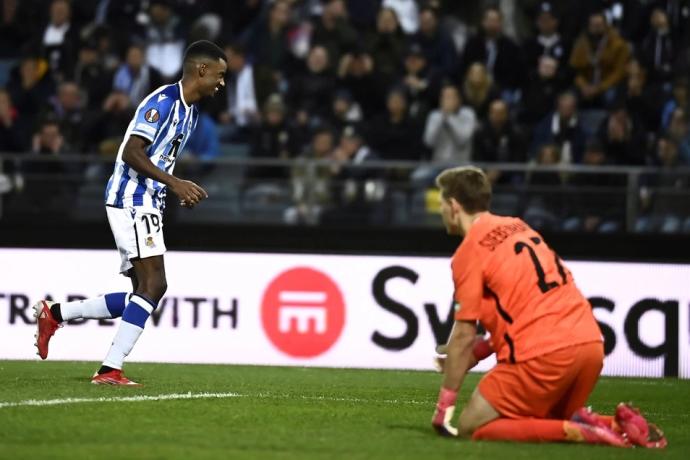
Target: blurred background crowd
(438, 82)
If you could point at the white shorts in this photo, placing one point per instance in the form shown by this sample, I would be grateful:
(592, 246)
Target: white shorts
(138, 233)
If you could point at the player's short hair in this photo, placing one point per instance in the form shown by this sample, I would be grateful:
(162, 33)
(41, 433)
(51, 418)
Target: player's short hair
(203, 49)
(469, 186)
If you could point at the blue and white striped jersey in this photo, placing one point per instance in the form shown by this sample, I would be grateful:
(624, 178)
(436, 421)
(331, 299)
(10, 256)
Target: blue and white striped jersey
(166, 121)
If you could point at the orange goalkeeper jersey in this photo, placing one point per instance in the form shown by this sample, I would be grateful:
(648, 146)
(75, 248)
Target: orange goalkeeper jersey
(508, 278)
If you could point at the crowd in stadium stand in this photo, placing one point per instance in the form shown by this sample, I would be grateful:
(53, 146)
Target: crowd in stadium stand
(592, 82)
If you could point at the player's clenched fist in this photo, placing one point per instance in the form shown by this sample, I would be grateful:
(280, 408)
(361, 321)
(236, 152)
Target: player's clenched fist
(188, 192)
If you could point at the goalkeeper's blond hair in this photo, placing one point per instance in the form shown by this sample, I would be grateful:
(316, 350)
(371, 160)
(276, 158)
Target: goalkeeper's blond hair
(469, 186)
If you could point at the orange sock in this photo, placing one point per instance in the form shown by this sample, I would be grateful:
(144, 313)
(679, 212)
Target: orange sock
(530, 430)
(522, 430)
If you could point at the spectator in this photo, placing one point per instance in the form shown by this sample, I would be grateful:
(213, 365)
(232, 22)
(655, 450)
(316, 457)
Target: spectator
(597, 200)
(344, 112)
(238, 111)
(542, 91)
(60, 39)
(311, 183)
(48, 140)
(437, 44)
(309, 90)
(678, 14)
(478, 89)
(164, 39)
(386, 46)
(68, 109)
(122, 17)
(109, 50)
(658, 51)
(548, 42)
(30, 86)
(663, 197)
(267, 47)
(357, 191)
(679, 132)
(333, 30)
(449, 129)
(623, 137)
(501, 56)
(395, 135)
(562, 127)
(91, 75)
(407, 12)
(9, 134)
(273, 138)
(361, 13)
(641, 99)
(15, 28)
(623, 15)
(237, 15)
(545, 198)
(421, 82)
(104, 132)
(680, 98)
(356, 74)
(498, 140)
(48, 185)
(135, 77)
(598, 59)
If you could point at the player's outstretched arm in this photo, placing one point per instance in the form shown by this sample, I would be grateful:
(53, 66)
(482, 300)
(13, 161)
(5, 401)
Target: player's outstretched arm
(134, 155)
(459, 360)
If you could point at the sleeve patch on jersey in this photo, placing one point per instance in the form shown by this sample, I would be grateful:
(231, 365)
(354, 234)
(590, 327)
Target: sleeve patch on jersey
(146, 129)
(152, 116)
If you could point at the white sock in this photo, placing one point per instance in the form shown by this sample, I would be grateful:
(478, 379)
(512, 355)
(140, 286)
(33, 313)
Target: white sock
(88, 308)
(134, 318)
(127, 335)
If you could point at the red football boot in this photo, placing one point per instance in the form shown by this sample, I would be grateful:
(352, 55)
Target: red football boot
(114, 377)
(46, 325)
(637, 430)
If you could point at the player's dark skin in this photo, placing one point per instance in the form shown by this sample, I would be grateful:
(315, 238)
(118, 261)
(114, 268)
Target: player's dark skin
(202, 77)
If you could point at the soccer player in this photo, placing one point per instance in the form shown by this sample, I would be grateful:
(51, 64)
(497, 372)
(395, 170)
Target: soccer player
(134, 199)
(547, 342)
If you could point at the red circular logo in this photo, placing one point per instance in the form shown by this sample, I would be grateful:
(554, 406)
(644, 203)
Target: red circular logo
(303, 312)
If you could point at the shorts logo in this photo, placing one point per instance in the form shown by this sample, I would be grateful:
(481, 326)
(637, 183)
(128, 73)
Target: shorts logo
(152, 116)
(149, 242)
(303, 312)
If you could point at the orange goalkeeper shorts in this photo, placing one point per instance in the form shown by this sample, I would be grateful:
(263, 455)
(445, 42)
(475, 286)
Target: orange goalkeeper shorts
(553, 385)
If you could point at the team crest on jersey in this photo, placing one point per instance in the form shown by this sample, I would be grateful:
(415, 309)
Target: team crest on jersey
(152, 116)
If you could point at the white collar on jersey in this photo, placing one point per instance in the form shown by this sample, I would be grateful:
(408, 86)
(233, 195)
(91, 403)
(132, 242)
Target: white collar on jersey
(179, 83)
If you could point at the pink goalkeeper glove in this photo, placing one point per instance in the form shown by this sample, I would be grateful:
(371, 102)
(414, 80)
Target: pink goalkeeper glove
(445, 407)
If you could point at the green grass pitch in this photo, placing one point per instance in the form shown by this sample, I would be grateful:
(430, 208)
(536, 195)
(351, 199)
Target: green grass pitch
(286, 413)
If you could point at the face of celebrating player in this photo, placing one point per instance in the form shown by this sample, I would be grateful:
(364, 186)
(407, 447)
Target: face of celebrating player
(212, 76)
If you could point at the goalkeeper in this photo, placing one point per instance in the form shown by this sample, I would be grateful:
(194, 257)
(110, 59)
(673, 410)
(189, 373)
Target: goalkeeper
(548, 345)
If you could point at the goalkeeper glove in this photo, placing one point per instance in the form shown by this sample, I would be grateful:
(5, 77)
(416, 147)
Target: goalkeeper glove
(445, 408)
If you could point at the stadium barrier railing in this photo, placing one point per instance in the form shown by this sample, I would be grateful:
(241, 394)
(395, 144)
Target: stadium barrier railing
(315, 192)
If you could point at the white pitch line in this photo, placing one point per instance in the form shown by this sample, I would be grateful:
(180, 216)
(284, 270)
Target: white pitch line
(162, 397)
(179, 396)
